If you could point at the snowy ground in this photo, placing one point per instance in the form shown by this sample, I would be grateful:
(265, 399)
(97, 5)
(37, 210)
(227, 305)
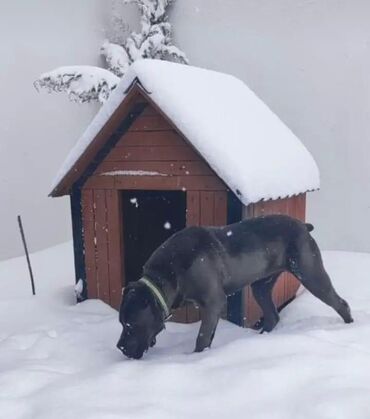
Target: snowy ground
(58, 360)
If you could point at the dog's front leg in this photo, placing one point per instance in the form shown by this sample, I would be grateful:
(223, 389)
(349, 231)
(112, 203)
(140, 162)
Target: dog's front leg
(207, 329)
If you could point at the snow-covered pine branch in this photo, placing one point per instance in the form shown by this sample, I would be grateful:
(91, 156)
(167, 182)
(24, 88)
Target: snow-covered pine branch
(152, 10)
(155, 37)
(89, 83)
(81, 83)
(116, 58)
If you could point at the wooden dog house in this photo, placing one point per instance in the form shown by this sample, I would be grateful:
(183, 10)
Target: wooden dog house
(165, 152)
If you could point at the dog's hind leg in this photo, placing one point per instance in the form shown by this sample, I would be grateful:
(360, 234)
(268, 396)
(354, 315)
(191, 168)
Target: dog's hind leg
(262, 292)
(308, 267)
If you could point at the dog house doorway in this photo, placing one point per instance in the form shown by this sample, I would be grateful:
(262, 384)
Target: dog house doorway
(150, 217)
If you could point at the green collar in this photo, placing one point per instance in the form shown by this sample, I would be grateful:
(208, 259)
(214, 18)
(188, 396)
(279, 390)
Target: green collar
(157, 293)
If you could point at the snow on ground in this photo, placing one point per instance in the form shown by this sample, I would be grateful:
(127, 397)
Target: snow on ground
(58, 360)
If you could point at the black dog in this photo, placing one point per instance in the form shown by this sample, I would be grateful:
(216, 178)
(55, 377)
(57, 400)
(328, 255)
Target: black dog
(205, 264)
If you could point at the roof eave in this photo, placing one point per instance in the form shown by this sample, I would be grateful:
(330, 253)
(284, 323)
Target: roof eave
(293, 195)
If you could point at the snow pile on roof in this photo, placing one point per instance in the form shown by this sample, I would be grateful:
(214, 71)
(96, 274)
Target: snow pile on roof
(59, 360)
(244, 142)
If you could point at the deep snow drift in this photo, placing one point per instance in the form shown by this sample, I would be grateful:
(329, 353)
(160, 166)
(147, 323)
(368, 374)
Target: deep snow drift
(58, 360)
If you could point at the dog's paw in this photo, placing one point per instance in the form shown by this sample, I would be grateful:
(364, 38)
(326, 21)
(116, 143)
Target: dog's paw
(258, 325)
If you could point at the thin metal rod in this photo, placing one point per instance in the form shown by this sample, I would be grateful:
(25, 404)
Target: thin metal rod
(27, 255)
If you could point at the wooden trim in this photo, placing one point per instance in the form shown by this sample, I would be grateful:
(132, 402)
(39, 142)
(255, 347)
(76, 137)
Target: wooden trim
(220, 208)
(155, 153)
(235, 303)
(200, 207)
(149, 110)
(191, 183)
(192, 219)
(301, 207)
(169, 183)
(78, 240)
(100, 182)
(150, 123)
(101, 245)
(115, 251)
(207, 208)
(151, 138)
(88, 216)
(192, 208)
(170, 168)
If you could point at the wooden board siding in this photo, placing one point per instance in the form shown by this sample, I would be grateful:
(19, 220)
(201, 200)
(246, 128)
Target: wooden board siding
(115, 246)
(88, 221)
(207, 213)
(103, 244)
(150, 138)
(161, 151)
(287, 285)
(220, 208)
(152, 145)
(192, 219)
(147, 182)
(171, 168)
(101, 239)
(150, 123)
(152, 153)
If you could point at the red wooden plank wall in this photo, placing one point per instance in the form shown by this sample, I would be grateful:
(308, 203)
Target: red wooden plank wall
(88, 217)
(103, 247)
(115, 248)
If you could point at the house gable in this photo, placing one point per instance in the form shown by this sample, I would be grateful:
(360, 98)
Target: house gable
(83, 159)
(153, 155)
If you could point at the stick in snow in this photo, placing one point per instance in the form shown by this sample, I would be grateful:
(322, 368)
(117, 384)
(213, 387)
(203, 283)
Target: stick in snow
(27, 255)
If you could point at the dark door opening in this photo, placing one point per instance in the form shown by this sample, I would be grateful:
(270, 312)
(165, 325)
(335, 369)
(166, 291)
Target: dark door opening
(150, 217)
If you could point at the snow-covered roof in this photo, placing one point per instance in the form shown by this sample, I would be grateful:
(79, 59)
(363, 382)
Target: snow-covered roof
(243, 141)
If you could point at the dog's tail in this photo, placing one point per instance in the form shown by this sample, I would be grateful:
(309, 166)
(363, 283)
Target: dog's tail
(309, 227)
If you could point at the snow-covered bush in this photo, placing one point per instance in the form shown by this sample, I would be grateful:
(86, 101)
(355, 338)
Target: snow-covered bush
(94, 84)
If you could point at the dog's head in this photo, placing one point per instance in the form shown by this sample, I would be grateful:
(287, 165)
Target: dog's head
(141, 319)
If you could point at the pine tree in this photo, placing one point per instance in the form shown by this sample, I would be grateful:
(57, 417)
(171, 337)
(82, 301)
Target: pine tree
(94, 84)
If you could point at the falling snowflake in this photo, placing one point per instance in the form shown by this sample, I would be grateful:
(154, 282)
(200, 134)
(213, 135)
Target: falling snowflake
(229, 233)
(167, 225)
(134, 202)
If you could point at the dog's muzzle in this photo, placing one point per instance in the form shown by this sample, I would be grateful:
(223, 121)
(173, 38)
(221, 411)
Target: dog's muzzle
(131, 349)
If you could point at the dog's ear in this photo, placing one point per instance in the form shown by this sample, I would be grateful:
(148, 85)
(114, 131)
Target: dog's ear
(128, 301)
(133, 290)
(128, 291)
(138, 292)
